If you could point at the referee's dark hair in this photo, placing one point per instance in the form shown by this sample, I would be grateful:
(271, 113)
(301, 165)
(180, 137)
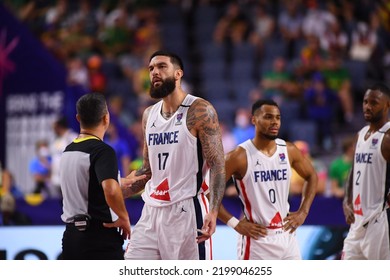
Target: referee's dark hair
(91, 108)
(261, 102)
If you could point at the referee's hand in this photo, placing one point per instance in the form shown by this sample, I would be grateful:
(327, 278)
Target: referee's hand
(123, 226)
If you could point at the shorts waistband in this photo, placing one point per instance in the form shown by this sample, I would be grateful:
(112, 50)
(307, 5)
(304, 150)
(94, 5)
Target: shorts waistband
(277, 231)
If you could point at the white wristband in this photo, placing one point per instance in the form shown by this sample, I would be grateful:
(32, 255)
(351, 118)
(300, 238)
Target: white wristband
(233, 222)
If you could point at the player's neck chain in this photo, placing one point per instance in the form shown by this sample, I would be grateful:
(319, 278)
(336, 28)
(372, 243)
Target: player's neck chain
(90, 134)
(168, 115)
(369, 133)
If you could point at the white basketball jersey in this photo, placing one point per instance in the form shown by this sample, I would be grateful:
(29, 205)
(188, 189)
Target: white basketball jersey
(265, 187)
(175, 157)
(370, 176)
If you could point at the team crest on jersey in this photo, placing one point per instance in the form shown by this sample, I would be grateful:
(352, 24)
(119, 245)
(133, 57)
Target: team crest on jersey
(282, 158)
(357, 206)
(374, 143)
(178, 119)
(162, 191)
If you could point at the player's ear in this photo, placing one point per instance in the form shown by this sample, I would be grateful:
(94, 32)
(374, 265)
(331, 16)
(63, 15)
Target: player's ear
(106, 119)
(78, 117)
(253, 120)
(178, 74)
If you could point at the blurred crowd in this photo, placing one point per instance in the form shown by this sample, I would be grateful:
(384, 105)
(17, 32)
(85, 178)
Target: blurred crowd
(313, 57)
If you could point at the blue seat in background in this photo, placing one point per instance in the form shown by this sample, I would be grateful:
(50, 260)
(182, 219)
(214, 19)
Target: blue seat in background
(304, 130)
(216, 89)
(212, 69)
(243, 51)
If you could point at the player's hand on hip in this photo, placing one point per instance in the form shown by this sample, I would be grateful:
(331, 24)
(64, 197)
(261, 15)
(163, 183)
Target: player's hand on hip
(253, 230)
(293, 221)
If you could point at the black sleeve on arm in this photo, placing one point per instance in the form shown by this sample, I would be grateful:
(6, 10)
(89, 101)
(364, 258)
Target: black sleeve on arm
(106, 166)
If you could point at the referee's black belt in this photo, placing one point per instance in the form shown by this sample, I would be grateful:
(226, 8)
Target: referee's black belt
(83, 222)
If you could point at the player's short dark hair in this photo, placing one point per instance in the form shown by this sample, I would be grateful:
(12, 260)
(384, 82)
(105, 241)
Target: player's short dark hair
(379, 86)
(91, 108)
(257, 105)
(175, 59)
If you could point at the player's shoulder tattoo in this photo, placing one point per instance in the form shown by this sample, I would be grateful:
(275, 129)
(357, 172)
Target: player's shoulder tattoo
(202, 114)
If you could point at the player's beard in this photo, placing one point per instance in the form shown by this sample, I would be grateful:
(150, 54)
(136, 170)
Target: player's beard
(375, 118)
(269, 136)
(166, 88)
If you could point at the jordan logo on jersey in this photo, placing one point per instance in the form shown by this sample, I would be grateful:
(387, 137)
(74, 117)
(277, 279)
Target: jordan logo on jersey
(162, 191)
(357, 206)
(276, 222)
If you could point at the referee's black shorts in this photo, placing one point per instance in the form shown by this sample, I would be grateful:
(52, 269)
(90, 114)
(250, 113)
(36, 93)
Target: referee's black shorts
(96, 243)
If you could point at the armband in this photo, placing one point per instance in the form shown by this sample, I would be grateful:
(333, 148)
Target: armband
(233, 222)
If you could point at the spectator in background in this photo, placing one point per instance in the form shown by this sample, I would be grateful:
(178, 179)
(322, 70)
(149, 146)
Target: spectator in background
(40, 168)
(243, 129)
(5, 181)
(233, 27)
(74, 41)
(88, 18)
(7, 184)
(57, 15)
(116, 104)
(363, 42)
(276, 83)
(141, 81)
(120, 118)
(290, 27)
(312, 58)
(321, 104)
(9, 215)
(338, 79)
(228, 139)
(264, 26)
(297, 182)
(316, 19)
(121, 148)
(77, 73)
(335, 39)
(115, 36)
(339, 168)
(64, 135)
(97, 78)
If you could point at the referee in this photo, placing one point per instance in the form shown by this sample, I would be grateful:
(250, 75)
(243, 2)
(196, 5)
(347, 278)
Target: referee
(94, 211)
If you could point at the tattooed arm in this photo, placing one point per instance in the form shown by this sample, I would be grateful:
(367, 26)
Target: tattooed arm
(131, 188)
(202, 121)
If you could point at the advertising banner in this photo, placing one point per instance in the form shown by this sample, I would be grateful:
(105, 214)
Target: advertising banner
(32, 86)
